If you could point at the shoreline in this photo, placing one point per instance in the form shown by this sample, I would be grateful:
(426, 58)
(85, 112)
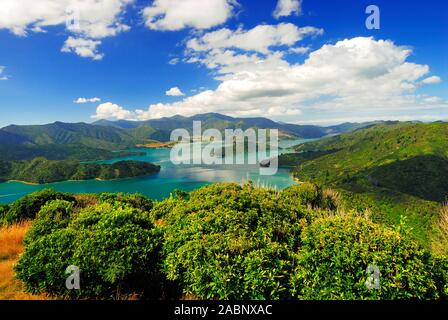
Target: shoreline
(24, 182)
(94, 179)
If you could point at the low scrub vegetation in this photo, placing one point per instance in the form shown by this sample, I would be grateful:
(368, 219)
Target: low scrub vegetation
(224, 241)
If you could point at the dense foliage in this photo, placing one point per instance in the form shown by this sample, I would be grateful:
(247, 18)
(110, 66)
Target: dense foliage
(225, 241)
(336, 251)
(41, 170)
(115, 246)
(27, 207)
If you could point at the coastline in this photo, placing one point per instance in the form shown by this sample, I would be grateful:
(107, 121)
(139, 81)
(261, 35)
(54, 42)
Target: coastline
(24, 182)
(94, 179)
(157, 145)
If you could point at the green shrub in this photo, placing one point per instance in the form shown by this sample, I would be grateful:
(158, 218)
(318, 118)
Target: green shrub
(27, 207)
(224, 241)
(54, 215)
(137, 201)
(42, 267)
(336, 252)
(308, 200)
(115, 248)
(305, 194)
(230, 242)
(3, 211)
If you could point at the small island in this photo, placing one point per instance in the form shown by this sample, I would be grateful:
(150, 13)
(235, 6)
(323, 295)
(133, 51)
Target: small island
(42, 171)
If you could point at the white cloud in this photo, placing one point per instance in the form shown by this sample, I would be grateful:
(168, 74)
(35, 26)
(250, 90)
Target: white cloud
(110, 110)
(2, 76)
(260, 39)
(353, 75)
(86, 100)
(174, 92)
(288, 7)
(199, 14)
(432, 80)
(97, 18)
(174, 61)
(83, 47)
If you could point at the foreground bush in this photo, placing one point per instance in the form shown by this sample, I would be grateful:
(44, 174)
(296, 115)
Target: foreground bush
(116, 249)
(53, 216)
(336, 252)
(27, 207)
(224, 241)
(233, 242)
(138, 201)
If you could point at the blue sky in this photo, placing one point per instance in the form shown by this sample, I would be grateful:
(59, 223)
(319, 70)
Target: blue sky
(236, 57)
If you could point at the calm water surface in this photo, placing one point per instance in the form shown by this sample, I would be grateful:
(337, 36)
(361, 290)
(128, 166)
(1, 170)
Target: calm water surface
(160, 185)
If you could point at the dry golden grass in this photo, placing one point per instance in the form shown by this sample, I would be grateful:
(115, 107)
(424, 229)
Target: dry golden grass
(85, 200)
(11, 247)
(11, 238)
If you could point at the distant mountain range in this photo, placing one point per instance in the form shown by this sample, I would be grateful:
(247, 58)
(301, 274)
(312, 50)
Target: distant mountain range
(82, 141)
(160, 129)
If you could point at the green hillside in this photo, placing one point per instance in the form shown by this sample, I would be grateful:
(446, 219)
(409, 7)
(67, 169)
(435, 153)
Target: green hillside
(86, 142)
(78, 152)
(395, 169)
(411, 158)
(160, 129)
(74, 133)
(41, 170)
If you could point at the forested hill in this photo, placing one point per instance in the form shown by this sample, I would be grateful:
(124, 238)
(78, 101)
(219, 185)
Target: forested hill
(86, 142)
(160, 129)
(41, 170)
(411, 158)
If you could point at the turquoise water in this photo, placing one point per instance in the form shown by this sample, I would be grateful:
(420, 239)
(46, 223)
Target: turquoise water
(160, 185)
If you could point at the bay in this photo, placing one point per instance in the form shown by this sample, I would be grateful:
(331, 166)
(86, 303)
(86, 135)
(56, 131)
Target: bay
(162, 184)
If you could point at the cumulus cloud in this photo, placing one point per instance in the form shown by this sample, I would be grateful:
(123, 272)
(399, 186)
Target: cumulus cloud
(83, 47)
(432, 80)
(260, 39)
(174, 92)
(97, 18)
(359, 74)
(198, 14)
(288, 7)
(86, 100)
(110, 110)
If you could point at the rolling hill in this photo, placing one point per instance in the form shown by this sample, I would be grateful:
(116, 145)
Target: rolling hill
(411, 158)
(82, 141)
(393, 169)
(160, 129)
